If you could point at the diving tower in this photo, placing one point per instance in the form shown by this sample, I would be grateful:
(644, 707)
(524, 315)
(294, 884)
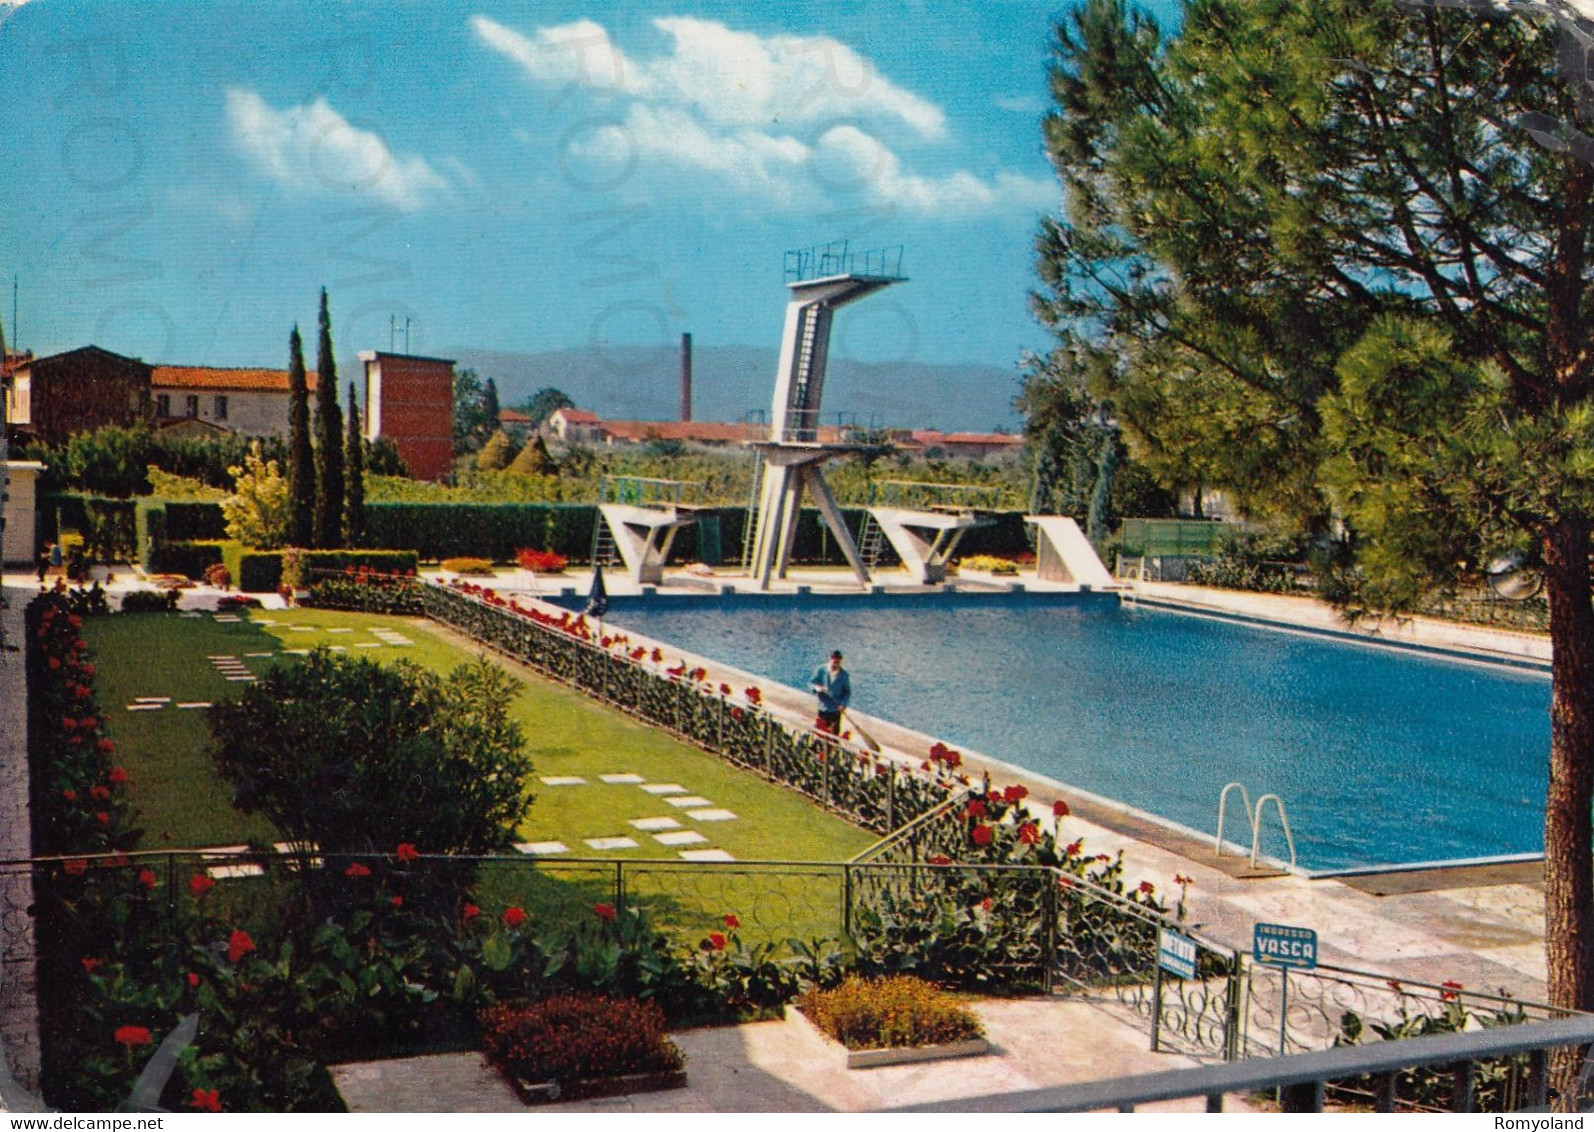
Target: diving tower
(639, 518)
(924, 522)
(821, 281)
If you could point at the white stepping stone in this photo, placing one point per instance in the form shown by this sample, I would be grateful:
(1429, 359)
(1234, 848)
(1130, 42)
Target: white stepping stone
(345, 629)
(369, 645)
(152, 699)
(705, 855)
(195, 704)
(689, 800)
(220, 656)
(563, 780)
(651, 824)
(337, 648)
(240, 679)
(680, 837)
(301, 628)
(254, 654)
(227, 619)
(234, 872)
(145, 707)
(659, 788)
(711, 815)
(297, 652)
(265, 621)
(611, 843)
(542, 848)
(626, 778)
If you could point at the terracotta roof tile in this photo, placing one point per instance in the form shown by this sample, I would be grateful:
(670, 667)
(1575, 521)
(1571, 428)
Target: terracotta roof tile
(213, 377)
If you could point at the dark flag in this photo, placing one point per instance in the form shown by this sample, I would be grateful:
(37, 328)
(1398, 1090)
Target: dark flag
(597, 597)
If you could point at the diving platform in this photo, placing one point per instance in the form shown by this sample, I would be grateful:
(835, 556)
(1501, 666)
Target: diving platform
(1064, 554)
(926, 540)
(638, 519)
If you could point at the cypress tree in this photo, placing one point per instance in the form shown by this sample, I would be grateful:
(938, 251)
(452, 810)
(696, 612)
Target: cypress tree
(354, 469)
(301, 457)
(490, 407)
(328, 439)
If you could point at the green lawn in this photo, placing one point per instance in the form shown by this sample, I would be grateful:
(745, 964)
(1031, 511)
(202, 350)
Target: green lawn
(185, 804)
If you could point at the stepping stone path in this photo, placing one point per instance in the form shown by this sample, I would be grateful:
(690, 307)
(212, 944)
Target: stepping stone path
(705, 855)
(254, 655)
(688, 800)
(563, 780)
(649, 825)
(369, 645)
(391, 637)
(711, 815)
(680, 837)
(542, 848)
(145, 707)
(611, 843)
(345, 629)
(191, 704)
(233, 669)
(614, 779)
(658, 788)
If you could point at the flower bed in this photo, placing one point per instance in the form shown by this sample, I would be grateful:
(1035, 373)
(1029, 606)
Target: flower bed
(891, 1020)
(581, 1045)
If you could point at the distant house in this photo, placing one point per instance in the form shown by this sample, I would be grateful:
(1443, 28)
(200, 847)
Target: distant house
(253, 402)
(967, 445)
(410, 400)
(76, 391)
(515, 423)
(576, 426)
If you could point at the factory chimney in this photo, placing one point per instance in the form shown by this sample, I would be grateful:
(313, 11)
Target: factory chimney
(686, 377)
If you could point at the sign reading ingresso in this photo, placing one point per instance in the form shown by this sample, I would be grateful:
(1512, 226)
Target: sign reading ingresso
(1279, 945)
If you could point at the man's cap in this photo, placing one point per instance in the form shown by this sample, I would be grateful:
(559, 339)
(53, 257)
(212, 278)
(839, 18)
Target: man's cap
(836, 655)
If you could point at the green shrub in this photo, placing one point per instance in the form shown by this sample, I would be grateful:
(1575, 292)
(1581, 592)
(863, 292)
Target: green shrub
(149, 601)
(194, 520)
(190, 559)
(578, 1037)
(474, 567)
(890, 1012)
(253, 571)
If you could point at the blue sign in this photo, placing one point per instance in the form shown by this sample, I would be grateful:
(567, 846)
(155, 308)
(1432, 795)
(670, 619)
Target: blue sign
(1279, 945)
(1176, 954)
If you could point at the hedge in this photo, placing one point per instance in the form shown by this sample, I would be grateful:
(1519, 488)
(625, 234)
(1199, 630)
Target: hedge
(189, 520)
(490, 530)
(253, 571)
(313, 564)
(191, 559)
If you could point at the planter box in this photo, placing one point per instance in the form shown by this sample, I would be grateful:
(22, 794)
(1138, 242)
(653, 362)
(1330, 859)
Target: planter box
(553, 1092)
(875, 1058)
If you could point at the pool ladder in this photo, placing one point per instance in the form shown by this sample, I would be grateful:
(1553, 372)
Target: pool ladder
(1253, 814)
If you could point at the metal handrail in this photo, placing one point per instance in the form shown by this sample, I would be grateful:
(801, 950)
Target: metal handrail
(1223, 801)
(1290, 1074)
(1256, 828)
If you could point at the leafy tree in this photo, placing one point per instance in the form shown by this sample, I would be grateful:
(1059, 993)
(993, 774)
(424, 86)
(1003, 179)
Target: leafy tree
(534, 460)
(258, 510)
(472, 428)
(329, 438)
(111, 460)
(497, 453)
(301, 455)
(1332, 218)
(357, 757)
(354, 466)
(544, 402)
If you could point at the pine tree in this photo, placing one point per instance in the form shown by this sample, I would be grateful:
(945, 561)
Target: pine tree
(354, 470)
(301, 456)
(329, 439)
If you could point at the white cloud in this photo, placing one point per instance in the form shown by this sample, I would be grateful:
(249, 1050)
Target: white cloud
(727, 77)
(314, 149)
(791, 122)
(1019, 103)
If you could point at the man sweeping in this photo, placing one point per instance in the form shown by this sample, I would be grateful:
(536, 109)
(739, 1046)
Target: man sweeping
(833, 686)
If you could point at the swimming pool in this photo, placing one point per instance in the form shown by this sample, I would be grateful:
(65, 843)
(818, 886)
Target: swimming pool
(1381, 755)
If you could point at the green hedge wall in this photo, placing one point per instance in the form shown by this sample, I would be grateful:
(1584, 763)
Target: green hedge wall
(488, 530)
(191, 521)
(315, 564)
(253, 571)
(191, 559)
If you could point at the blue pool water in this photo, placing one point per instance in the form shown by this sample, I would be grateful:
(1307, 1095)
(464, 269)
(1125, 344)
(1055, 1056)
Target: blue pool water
(1381, 755)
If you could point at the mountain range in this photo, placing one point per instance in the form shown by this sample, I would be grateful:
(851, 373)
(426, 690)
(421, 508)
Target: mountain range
(643, 383)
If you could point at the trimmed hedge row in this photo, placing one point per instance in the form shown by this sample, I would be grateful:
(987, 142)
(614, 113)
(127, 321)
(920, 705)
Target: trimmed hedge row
(190, 559)
(489, 530)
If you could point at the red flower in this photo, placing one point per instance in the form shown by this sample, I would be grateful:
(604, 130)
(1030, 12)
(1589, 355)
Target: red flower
(398, 901)
(1448, 994)
(193, 979)
(715, 941)
(146, 877)
(1147, 888)
(1394, 986)
(1014, 794)
(103, 818)
(356, 870)
(731, 921)
(514, 917)
(737, 713)
(89, 963)
(406, 853)
(658, 656)
(107, 747)
(1059, 809)
(604, 911)
(1029, 833)
(238, 945)
(53, 663)
(977, 809)
(131, 1036)
(88, 723)
(75, 867)
(1074, 848)
(939, 859)
(199, 884)
(88, 670)
(471, 912)
(981, 834)
(69, 795)
(754, 696)
(116, 775)
(725, 689)
(1182, 881)
(101, 792)
(206, 1100)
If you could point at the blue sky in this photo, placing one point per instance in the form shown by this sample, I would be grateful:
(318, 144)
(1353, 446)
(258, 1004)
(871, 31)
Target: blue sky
(181, 178)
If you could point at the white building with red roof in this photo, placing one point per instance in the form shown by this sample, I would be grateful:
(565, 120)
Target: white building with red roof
(250, 401)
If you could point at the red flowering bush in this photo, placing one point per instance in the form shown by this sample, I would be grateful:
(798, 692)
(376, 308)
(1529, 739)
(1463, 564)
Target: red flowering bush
(541, 561)
(131, 1036)
(576, 1040)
